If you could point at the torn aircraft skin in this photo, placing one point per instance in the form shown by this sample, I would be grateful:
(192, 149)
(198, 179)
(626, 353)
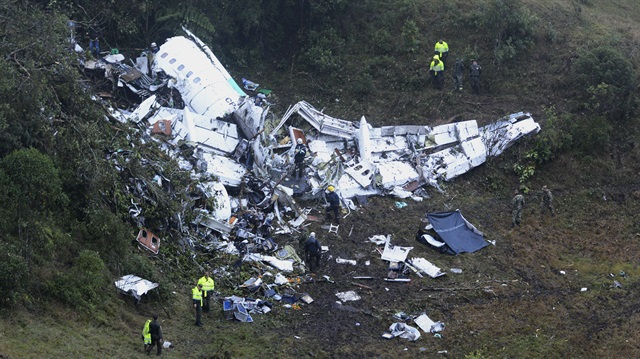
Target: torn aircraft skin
(238, 141)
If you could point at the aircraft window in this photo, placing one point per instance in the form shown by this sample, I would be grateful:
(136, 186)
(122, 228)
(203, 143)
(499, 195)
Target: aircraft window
(164, 54)
(181, 67)
(196, 80)
(172, 61)
(189, 74)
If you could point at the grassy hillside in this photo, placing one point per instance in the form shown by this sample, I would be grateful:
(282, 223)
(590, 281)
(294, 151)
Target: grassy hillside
(521, 298)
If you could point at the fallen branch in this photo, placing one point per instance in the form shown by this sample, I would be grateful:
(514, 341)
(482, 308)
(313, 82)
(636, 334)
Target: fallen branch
(361, 285)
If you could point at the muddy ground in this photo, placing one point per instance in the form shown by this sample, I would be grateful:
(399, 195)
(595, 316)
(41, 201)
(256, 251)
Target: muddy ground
(522, 297)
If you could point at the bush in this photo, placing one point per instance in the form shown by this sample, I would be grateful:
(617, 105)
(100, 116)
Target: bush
(83, 284)
(411, 36)
(513, 26)
(13, 274)
(607, 82)
(321, 54)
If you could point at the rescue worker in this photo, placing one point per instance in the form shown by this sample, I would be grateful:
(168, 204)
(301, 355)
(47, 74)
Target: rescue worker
(155, 331)
(437, 72)
(312, 251)
(146, 335)
(516, 214)
(458, 69)
(334, 203)
(475, 71)
(94, 42)
(151, 53)
(196, 295)
(298, 157)
(547, 201)
(442, 50)
(207, 290)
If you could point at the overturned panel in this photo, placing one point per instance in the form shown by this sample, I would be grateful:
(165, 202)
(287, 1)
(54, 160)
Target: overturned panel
(362, 173)
(149, 241)
(205, 219)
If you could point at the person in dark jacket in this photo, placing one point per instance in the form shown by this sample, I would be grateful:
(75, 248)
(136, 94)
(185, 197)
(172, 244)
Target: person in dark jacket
(299, 155)
(156, 335)
(474, 72)
(312, 250)
(334, 203)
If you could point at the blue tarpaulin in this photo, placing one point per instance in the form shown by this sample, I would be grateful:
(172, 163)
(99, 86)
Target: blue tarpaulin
(460, 235)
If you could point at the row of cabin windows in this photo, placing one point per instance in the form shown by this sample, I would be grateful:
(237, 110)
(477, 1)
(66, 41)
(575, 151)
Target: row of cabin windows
(181, 67)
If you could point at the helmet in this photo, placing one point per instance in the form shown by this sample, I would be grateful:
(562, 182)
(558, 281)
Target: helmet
(153, 44)
(299, 141)
(436, 57)
(331, 188)
(313, 234)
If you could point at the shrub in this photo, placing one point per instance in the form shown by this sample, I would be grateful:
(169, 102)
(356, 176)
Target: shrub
(606, 81)
(513, 26)
(13, 274)
(411, 36)
(321, 54)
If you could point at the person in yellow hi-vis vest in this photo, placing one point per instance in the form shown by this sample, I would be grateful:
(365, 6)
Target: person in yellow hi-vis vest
(196, 295)
(442, 50)
(207, 290)
(146, 335)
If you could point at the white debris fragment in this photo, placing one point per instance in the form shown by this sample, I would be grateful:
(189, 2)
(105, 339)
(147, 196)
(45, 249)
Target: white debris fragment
(427, 267)
(348, 296)
(345, 261)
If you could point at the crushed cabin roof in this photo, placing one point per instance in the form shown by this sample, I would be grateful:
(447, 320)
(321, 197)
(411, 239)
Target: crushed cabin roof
(235, 137)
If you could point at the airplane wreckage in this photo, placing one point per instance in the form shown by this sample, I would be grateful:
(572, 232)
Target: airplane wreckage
(189, 97)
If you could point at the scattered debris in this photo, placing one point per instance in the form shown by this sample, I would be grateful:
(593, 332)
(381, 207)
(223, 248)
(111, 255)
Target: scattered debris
(402, 330)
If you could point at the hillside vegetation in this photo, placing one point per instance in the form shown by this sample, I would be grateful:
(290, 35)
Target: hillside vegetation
(67, 233)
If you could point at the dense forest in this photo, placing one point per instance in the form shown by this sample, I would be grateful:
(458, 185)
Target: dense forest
(64, 219)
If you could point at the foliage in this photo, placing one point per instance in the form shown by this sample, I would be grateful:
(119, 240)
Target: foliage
(31, 192)
(607, 82)
(36, 63)
(512, 25)
(13, 272)
(553, 139)
(322, 49)
(83, 284)
(410, 36)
